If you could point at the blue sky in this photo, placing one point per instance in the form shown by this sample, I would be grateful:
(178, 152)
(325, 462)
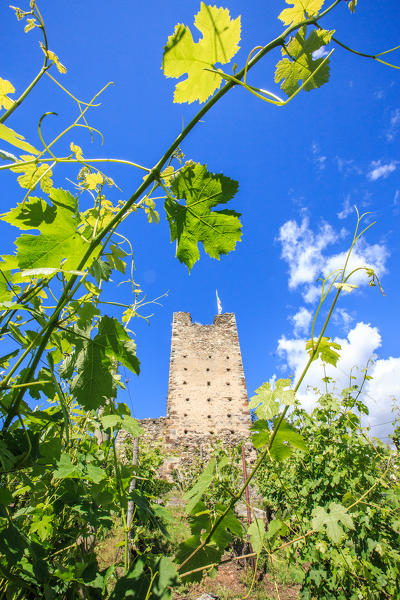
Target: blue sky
(300, 168)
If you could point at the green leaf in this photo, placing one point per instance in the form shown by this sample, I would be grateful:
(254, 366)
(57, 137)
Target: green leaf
(118, 346)
(34, 173)
(5, 496)
(328, 522)
(326, 350)
(58, 242)
(101, 270)
(292, 72)
(65, 468)
(285, 440)
(95, 474)
(109, 421)
(30, 214)
(132, 426)
(203, 482)
(137, 584)
(93, 383)
(257, 534)
(219, 44)
(115, 257)
(301, 10)
(208, 555)
(6, 88)
(194, 221)
(267, 399)
(16, 139)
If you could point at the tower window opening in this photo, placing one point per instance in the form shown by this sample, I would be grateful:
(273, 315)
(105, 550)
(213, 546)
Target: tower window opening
(208, 399)
(227, 383)
(227, 358)
(228, 369)
(209, 356)
(207, 369)
(185, 414)
(208, 382)
(229, 415)
(184, 383)
(208, 416)
(185, 431)
(185, 369)
(187, 399)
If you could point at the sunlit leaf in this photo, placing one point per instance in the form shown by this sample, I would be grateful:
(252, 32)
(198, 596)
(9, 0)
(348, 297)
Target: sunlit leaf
(267, 399)
(326, 350)
(6, 88)
(295, 70)
(195, 221)
(328, 521)
(219, 44)
(16, 139)
(301, 10)
(58, 242)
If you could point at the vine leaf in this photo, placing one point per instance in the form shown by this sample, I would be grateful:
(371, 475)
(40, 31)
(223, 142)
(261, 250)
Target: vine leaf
(96, 359)
(302, 65)
(6, 88)
(117, 344)
(65, 468)
(328, 522)
(16, 139)
(326, 350)
(219, 44)
(195, 222)
(267, 399)
(301, 9)
(138, 582)
(257, 534)
(203, 482)
(93, 383)
(34, 173)
(58, 242)
(286, 439)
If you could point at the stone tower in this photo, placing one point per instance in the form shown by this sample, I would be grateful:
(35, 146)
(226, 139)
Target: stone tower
(207, 393)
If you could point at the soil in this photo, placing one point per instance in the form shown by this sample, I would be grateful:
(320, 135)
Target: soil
(228, 585)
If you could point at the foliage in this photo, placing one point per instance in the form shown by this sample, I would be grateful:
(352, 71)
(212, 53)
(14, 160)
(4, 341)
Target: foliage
(62, 484)
(346, 490)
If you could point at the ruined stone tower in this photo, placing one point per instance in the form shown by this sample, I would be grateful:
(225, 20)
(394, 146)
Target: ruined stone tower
(207, 393)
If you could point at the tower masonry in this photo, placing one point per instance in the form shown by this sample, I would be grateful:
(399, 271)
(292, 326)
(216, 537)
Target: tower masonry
(207, 393)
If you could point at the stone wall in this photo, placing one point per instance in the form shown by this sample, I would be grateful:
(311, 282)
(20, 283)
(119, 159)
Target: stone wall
(207, 396)
(207, 393)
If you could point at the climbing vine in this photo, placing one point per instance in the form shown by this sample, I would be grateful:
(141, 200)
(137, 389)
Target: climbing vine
(62, 483)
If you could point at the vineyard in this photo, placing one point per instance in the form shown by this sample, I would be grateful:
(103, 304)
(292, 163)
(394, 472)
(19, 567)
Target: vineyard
(78, 518)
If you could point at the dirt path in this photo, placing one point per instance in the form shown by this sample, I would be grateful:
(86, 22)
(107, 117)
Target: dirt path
(233, 582)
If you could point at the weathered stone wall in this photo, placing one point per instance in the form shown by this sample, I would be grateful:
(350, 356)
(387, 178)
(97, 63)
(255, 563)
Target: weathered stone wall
(207, 396)
(207, 393)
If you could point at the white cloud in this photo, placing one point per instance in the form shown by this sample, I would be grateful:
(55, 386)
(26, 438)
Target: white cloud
(319, 159)
(302, 249)
(301, 320)
(347, 166)
(347, 208)
(306, 255)
(357, 349)
(320, 53)
(394, 125)
(379, 170)
(372, 256)
(342, 318)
